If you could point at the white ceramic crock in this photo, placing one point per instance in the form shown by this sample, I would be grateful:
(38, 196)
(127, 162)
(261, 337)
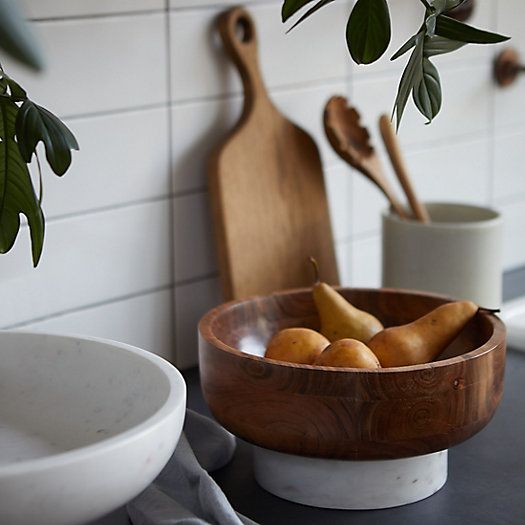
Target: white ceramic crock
(459, 253)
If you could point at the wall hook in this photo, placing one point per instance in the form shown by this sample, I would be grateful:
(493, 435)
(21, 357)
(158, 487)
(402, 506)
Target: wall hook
(507, 66)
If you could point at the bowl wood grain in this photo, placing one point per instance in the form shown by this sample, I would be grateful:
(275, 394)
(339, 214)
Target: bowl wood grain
(347, 413)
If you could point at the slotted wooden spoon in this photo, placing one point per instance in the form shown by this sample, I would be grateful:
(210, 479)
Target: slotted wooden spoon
(351, 141)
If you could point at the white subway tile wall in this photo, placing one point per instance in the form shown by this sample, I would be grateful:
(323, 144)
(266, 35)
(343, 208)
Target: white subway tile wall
(149, 93)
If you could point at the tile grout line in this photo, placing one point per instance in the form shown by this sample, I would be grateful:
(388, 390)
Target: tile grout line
(278, 89)
(173, 332)
(113, 300)
(349, 272)
(129, 204)
(140, 12)
(116, 111)
(94, 16)
(89, 306)
(492, 119)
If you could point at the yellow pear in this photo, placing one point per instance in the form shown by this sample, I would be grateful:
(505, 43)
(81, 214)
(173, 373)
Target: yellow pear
(348, 353)
(339, 318)
(422, 340)
(296, 345)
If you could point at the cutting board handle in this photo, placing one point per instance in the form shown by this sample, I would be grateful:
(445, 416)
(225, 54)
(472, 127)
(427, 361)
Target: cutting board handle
(239, 35)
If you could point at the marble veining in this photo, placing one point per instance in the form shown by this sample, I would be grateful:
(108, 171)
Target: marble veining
(342, 484)
(85, 425)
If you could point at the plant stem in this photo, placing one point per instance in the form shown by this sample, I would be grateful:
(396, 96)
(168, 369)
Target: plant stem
(316, 269)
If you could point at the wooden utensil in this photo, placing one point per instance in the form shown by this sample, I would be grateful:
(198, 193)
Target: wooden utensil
(394, 152)
(267, 188)
(351, 141)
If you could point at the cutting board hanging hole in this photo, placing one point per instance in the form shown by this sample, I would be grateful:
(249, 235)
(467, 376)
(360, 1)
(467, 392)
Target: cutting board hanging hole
(244, 30)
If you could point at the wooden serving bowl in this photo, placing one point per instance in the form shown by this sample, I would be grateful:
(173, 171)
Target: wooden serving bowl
(347, 413)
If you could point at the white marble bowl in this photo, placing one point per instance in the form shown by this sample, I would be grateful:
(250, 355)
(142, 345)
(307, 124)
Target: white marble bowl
(85, 425)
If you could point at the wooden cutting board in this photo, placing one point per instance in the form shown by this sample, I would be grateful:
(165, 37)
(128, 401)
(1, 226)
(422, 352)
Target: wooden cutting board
(266, 186)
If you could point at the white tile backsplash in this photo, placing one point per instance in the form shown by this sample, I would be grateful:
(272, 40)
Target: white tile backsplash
(509, 169)
(368, 202)
(365, 262)
(339, 188)
(182, 4)
(509, 104)
(458, 171)
(86, 260)
(198, 129)
(466, 106)
(509, 17)
(200, 67)
(59, 8)
(98, 64)
(192, 301)
(304, 106)
(343, 252)
(514, 220)
(300, 55)
(194, 250)
(122, 159)
(129, 251)
(145, 321)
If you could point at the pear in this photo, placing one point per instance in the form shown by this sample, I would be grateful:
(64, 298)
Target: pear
(296, 345)
(339, 318)
(422, 340)
(348, 353)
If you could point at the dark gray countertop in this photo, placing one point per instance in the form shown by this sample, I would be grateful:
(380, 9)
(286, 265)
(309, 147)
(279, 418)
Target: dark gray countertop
(486, 481)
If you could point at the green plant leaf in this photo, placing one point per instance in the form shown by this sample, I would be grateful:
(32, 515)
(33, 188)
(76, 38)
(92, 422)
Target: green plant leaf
(437, 45)
(311, 11)
(368, 30)
(453, 30)
(439, 6)
(16, 92)
(17, 194)
(409, 44)
(430, 24)
(426, 92)
(34, 124)
(290, 7)
(408, 80)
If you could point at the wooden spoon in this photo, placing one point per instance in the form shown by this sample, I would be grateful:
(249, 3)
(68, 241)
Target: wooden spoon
(394, 152)
(351, 141)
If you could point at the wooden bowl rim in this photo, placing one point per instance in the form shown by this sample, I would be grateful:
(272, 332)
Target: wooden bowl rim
(496, 338)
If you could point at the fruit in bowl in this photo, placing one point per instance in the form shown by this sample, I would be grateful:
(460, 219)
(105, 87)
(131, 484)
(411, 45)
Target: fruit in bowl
(359, 339)
(296, 345)
(348, 353)
(339, 318)
(348, 413)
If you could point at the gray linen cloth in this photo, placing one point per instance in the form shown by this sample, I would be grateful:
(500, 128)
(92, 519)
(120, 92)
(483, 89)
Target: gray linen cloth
(184, 493)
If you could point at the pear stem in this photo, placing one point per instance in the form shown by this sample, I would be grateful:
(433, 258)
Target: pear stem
(489, 310)
(316, 269)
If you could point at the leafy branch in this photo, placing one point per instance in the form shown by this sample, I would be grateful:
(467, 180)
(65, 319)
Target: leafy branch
(368, 35)
(23, 124)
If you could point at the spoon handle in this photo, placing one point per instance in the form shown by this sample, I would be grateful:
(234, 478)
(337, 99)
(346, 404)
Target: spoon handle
(394, 152)
(396, 205)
